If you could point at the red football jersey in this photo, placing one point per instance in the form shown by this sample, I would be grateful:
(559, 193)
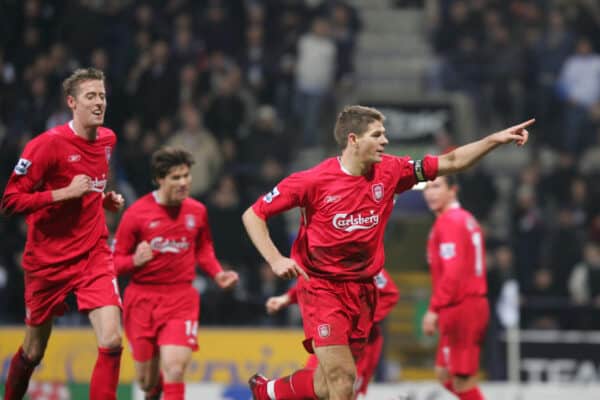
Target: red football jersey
(456, 256)
(343, 217)
(67, 229)
(179, 236)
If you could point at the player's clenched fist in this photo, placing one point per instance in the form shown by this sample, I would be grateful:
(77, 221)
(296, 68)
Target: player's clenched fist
(430, 323)
(112, 201)
(286, 268)
(227, 279)
(276, 303)
(143, 254)
(80, 185)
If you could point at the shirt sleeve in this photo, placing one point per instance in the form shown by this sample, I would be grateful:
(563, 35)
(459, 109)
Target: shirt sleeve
(22, 194)
(451, 258)
(205, 251)
(415, 171)
(388, 295)
(287, 194)
(126, 240)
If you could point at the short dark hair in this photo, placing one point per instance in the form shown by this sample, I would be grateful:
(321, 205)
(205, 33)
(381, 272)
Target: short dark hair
(166, 158)
(451, 180)
(354, 119)
(71, 84)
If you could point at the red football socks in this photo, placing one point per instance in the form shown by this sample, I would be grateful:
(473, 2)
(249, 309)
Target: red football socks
(105, 378)
(19, 373)
(472, 394)
(173, 390)
(298, 386)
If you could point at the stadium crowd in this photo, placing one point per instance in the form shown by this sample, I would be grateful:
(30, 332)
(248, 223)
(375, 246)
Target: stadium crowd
(238, 84)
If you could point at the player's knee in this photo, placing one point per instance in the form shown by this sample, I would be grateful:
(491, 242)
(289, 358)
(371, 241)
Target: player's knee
(463, 383)
(175, 371)
(342, 381)
(110, 340)
(34, 352)
(145, 383)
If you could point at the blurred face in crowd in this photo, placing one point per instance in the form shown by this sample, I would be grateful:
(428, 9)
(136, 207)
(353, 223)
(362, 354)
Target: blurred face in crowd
(174, 188)
(89, 103)
(438, 195)
(370, 145)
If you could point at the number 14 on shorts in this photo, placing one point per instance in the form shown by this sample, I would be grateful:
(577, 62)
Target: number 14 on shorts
(191, 327)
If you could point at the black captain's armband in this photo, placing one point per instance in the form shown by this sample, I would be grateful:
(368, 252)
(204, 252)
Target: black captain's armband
(418, 169)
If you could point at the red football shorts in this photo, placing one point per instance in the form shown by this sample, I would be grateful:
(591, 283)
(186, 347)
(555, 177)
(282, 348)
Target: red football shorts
(337, 313)
(157, 315)
(366, 363)
(90, 276)
(462, 331)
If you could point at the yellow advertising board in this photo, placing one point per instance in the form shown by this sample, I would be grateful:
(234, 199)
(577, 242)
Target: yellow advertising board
(225, 355)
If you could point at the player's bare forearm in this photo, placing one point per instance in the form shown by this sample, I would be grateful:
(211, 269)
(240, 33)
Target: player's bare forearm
(466, 156)
(259, 234)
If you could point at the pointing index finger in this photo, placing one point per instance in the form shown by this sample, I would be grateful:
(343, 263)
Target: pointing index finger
(525, 124)
(302, 272)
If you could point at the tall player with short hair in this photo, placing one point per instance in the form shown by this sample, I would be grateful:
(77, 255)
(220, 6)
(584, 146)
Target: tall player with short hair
(160, 239)
(459, 306)
(59, 183)
(345, 204)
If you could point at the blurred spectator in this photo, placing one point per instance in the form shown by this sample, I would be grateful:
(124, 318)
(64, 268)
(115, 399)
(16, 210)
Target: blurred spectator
(551, 51)
(201, 143)
(540, 301)
(478, 192)
(190, 88)
(503, 295)
(265, 140)
(225, 207)
(565, 250)
(132, 162)
(315, 77)
(227, 111)
(579, 85)
(528, 234)
(157, 82)
(504, 77)
(584, 282)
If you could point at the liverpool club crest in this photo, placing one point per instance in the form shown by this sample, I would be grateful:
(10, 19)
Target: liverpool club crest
(377, 192)
(190, 221)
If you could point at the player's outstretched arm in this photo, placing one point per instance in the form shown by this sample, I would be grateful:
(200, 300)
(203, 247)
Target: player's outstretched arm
(258, 231)
(465, 156)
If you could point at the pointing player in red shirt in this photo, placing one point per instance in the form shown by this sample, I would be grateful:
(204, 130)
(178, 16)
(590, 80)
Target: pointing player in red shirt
(345, 204)
(160, 239)
(458, 306)
(388, 295)
(59, 183)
